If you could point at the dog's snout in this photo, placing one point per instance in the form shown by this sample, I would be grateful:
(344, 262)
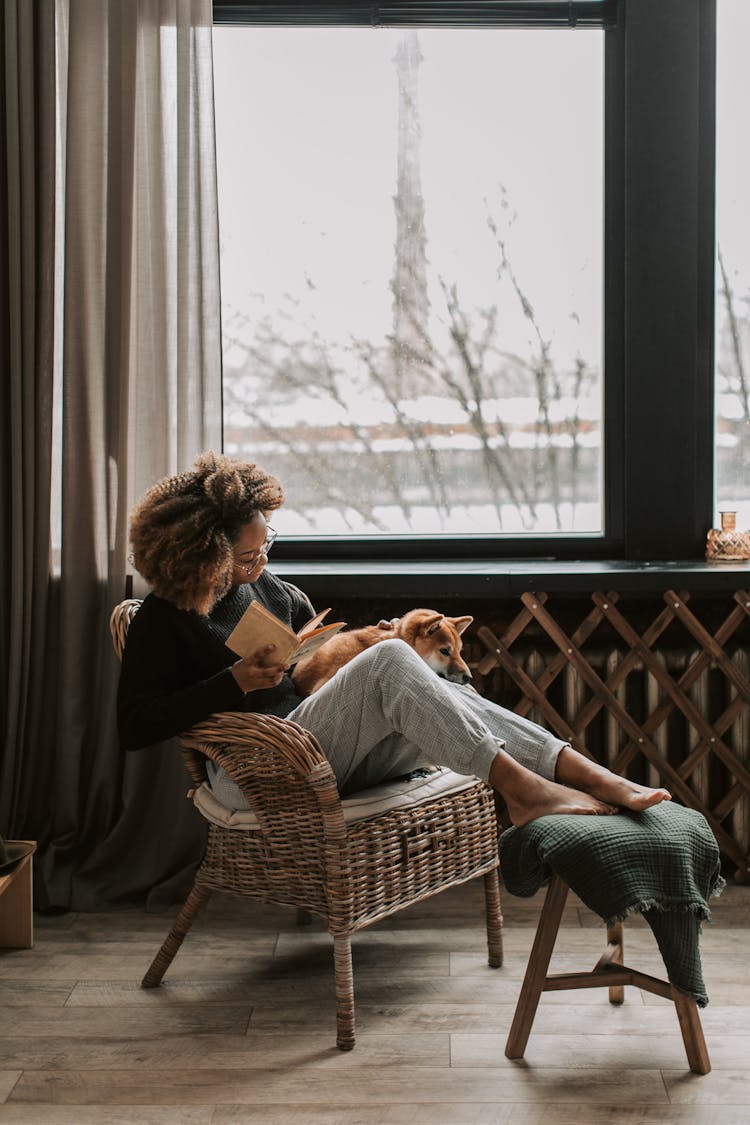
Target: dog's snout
(456, 677)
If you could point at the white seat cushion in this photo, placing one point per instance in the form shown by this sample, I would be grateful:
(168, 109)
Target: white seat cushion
(439, 782)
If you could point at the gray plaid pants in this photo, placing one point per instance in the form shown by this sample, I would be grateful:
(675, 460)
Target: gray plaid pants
(386, 713)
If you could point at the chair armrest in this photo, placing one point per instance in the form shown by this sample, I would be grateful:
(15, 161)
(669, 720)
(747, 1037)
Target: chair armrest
(278, 765)
(119, 623)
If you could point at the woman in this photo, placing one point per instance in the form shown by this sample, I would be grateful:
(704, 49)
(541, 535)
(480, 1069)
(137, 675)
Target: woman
(201, 540)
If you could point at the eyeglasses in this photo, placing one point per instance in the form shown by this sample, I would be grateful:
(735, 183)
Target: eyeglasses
(249, 564)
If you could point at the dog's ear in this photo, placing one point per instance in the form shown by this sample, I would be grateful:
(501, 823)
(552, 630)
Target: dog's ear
(461, 623)
(432, 624)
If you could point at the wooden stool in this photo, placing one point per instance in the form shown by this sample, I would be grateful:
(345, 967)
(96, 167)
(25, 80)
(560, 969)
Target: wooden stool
(16, 917)
(609, 972)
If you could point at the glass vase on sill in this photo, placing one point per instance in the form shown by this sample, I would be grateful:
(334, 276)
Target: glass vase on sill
(727, 543)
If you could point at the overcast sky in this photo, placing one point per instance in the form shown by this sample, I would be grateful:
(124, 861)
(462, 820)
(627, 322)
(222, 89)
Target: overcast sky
(306, 124)
(732, 137)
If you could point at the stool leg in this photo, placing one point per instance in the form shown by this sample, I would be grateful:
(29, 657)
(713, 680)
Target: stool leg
(615, 937)
(692, 1032)
(536, 970)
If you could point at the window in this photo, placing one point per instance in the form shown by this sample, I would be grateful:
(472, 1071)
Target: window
(379, 427)
(412, 245)
(733, 262)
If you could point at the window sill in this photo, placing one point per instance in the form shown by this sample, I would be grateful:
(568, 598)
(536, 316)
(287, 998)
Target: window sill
(482, 578)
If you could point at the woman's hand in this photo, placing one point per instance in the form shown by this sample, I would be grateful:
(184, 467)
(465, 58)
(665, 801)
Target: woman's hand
(259, 670)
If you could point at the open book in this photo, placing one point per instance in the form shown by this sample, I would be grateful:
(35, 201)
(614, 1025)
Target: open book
(259, 627)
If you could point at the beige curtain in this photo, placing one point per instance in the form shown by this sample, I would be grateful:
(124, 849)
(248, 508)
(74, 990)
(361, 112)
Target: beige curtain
(112, 297)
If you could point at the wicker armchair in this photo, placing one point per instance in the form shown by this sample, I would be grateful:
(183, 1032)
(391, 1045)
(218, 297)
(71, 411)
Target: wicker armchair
(305, 850)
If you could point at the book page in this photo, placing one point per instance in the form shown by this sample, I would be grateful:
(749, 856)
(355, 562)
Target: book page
(259, 627)
(313, 641)
(313, 623)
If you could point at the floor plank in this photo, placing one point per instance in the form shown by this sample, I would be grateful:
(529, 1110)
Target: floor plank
(25, 993)
(36, 1114)
(8, 1079)
(722, 1087)
(602, 1049)
(208, 1051)
(311, 1086)
(472, 1114)
(128, 1023)
(467, 1113)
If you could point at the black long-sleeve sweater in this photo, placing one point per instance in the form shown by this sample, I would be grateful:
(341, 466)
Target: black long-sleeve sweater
(176, 669)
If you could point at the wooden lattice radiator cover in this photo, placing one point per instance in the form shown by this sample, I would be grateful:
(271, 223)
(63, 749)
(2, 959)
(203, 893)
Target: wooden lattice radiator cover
(668, 702)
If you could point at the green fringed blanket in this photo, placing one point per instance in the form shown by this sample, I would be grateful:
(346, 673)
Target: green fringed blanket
(662, 863)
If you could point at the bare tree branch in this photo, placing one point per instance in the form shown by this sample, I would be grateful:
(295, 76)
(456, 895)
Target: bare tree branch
(735, 337)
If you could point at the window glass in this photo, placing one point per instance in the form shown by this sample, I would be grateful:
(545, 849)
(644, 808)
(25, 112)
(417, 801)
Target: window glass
(733, 261)
(411, 239)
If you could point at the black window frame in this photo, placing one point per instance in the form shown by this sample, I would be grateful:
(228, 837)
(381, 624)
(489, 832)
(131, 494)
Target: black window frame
(659, 252)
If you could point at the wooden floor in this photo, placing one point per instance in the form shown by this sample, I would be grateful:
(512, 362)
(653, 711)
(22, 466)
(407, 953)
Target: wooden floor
(243, 1028)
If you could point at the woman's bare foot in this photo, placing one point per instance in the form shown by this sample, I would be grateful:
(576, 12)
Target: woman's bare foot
(628, 794)
(528, 796)
(574, 769)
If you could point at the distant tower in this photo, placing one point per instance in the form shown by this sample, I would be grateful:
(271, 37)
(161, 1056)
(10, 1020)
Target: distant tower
(409, 284)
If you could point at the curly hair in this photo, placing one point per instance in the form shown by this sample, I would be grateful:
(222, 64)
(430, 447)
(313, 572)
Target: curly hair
(183, 530)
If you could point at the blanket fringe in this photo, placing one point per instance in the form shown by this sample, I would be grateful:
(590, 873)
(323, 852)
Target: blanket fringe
(699, 908)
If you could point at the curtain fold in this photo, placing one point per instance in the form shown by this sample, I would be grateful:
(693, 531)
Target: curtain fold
(119, 214)
(27, 185)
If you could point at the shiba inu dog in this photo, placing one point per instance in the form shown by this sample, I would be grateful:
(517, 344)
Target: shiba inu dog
(434, 636)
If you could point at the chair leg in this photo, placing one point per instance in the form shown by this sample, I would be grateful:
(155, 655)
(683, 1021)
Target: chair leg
(344, 980)
(493, 907)
(173, 940)
(536, 970)
(692, 1032)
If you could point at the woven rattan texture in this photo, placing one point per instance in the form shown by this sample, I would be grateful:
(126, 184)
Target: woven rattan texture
(304, 855)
